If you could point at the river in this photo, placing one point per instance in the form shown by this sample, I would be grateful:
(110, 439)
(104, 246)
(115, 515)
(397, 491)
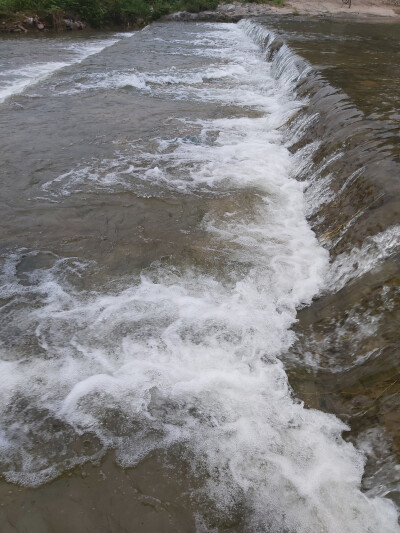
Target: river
(200, 245)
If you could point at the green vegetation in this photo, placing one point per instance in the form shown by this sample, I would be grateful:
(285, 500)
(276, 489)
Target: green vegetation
(276, 2)
(100, 12)
(105, 12)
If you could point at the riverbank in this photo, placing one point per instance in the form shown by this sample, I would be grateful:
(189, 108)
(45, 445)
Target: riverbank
(28, 22)
(366, 8)
(23, 16)
(360, 9)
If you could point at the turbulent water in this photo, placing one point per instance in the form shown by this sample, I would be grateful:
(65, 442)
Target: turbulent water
(170, 199)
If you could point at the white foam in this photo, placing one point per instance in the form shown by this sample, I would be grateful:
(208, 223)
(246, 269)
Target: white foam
(179, 164)
(240, 77)
(378, 447)
(358, 328)
(29, 75)
(375, 249)
(107, 80)
(125, 34)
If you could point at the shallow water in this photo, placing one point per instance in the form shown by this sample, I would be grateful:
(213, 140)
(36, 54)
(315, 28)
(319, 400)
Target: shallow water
(170, 199)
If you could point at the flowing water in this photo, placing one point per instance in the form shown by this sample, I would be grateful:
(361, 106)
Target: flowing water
(199, 288)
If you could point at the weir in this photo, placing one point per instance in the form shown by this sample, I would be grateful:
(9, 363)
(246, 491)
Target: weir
(346, 354)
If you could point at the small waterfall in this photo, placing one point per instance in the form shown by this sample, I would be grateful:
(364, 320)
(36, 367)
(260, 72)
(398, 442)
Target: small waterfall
(346, 164)
(347, 336)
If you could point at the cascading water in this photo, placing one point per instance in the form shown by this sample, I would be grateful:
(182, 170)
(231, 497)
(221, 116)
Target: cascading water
(188, 353)
(349, 165)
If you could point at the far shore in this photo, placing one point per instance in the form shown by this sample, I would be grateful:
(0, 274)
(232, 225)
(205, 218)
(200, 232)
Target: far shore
(367, 10)
(361, 10)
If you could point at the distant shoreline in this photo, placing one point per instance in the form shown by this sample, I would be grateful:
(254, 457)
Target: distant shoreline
(361, 10)
(367, 10)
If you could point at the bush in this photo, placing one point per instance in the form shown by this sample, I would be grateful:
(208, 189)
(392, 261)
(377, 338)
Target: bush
(195, 6)
(96, 12)
(100, 12)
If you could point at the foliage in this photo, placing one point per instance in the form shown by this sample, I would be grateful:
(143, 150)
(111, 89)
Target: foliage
(195, 6)
(101, 12)
(276, 2)
(96, 12)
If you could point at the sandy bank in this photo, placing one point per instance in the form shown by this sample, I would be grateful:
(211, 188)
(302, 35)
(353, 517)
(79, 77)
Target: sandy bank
(366, 8)
(360, 9)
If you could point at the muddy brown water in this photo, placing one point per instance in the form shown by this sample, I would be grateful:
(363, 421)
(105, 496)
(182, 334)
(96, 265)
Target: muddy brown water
(98, 187)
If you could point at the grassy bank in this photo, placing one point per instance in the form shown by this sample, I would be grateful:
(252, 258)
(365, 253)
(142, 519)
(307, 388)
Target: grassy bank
(99, 13)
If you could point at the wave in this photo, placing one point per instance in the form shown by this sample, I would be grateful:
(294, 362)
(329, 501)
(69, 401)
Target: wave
(15, 81)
